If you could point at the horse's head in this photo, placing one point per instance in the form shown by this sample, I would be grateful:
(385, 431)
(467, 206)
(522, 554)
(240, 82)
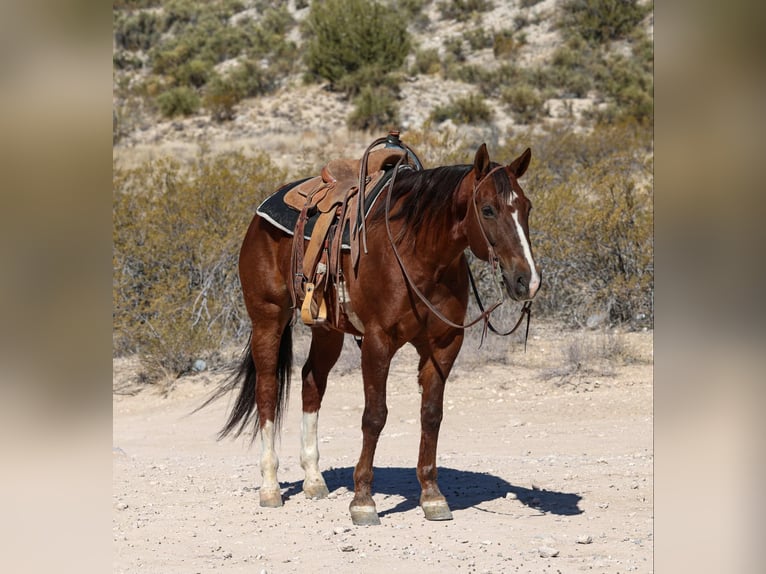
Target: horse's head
(497, 222)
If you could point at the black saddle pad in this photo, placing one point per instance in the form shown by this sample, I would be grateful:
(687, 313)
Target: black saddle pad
(279, 214)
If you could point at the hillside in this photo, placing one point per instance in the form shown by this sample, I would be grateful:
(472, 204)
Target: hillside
(233, 74)
(284, 86)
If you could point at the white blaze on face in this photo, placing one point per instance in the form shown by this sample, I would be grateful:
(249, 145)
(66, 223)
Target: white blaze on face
(534, 280)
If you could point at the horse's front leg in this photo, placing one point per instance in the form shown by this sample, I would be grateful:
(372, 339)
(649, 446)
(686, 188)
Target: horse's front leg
(376, 359)
(325, 349)
(435, 365)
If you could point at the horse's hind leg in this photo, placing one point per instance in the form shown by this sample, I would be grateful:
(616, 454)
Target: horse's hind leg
(325, 349)
(435, 364)
(271, 342)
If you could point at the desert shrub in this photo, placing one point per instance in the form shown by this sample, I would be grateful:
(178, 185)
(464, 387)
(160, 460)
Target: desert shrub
(463, 10)
(571, 70)
(426, 62)
(411, 12)
(126, 60)
(346, 37)
(181, 101)
(600, 21)
(222, 93)
(369, 76)
(464, 110)
(438, 147)
(374, 109)
(176, 236)
(133, 4)
(136, 31)
(478, 38)
(592, 222)
(503, 43)
(629, 87)
(453, 46)
(524, 101)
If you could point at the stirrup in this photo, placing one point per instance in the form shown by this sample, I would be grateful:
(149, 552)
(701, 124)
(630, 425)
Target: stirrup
(311, 314)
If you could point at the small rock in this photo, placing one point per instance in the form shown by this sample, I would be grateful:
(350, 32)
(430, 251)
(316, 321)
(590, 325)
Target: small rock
(548, 552)
(122, 506)
(199, 365)
(584, 539)
(347, 548)
(340, 529)
(511, 496)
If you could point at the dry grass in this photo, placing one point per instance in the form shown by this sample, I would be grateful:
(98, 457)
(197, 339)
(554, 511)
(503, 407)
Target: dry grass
(587, 358)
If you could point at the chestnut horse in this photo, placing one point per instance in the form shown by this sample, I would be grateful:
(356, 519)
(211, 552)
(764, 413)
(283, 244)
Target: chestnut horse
(411, 286)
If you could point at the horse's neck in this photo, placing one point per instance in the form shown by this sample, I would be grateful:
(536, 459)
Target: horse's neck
(441, 241)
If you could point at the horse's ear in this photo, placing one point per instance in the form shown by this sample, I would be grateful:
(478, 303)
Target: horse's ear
(521, 163)
(481, 161)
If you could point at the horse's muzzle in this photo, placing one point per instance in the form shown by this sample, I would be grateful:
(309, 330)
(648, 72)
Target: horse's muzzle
(521, 286)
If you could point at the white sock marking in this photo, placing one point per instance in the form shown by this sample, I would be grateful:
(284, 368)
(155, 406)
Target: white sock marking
(269, 459)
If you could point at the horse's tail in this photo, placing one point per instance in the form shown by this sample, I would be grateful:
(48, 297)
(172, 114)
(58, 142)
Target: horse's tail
(244, 410)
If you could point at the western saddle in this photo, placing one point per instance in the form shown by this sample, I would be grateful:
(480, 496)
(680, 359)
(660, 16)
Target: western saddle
(336, 198)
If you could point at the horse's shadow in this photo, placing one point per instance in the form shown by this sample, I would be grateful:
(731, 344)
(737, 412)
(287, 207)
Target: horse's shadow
(462, 488)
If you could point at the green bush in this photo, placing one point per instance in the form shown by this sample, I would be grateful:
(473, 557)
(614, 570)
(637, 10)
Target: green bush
(524, 101)
(221, 95)
(600, 21)
(629, 87)
(374, 110)
(463, 10)
(426, 62)
(454, 48)
(503, 43)
(464, 110)
(181, 101)
(478, 38)
(347, 37)
(246, 80)
(136, 31)
(176, 236)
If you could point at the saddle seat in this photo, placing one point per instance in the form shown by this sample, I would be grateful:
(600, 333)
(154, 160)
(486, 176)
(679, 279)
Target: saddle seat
(339, 178)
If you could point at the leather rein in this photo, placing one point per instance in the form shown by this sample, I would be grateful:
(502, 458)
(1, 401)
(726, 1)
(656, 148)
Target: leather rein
(526, 309)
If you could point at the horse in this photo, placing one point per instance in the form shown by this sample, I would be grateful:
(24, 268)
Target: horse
(411, 285)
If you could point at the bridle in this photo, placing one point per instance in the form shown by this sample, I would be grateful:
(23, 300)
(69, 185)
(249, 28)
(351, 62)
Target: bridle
(493, 261)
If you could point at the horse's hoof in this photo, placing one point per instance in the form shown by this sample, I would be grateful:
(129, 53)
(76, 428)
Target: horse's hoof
(271, 499)
(436, 510)
(316, 490)
(364, 516)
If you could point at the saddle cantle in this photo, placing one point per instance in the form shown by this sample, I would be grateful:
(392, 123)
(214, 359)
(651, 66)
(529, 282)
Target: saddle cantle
(339, 178)
(324, 210)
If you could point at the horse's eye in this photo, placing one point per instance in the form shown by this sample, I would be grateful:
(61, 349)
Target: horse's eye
(488, 211)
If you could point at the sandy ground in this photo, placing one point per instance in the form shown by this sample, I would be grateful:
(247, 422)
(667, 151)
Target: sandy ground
(545, 459)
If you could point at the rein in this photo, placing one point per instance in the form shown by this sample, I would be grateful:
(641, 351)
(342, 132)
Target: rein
(493, 260)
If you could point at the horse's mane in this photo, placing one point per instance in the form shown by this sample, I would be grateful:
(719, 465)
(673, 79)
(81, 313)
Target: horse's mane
(427, 194)
(424, 195)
